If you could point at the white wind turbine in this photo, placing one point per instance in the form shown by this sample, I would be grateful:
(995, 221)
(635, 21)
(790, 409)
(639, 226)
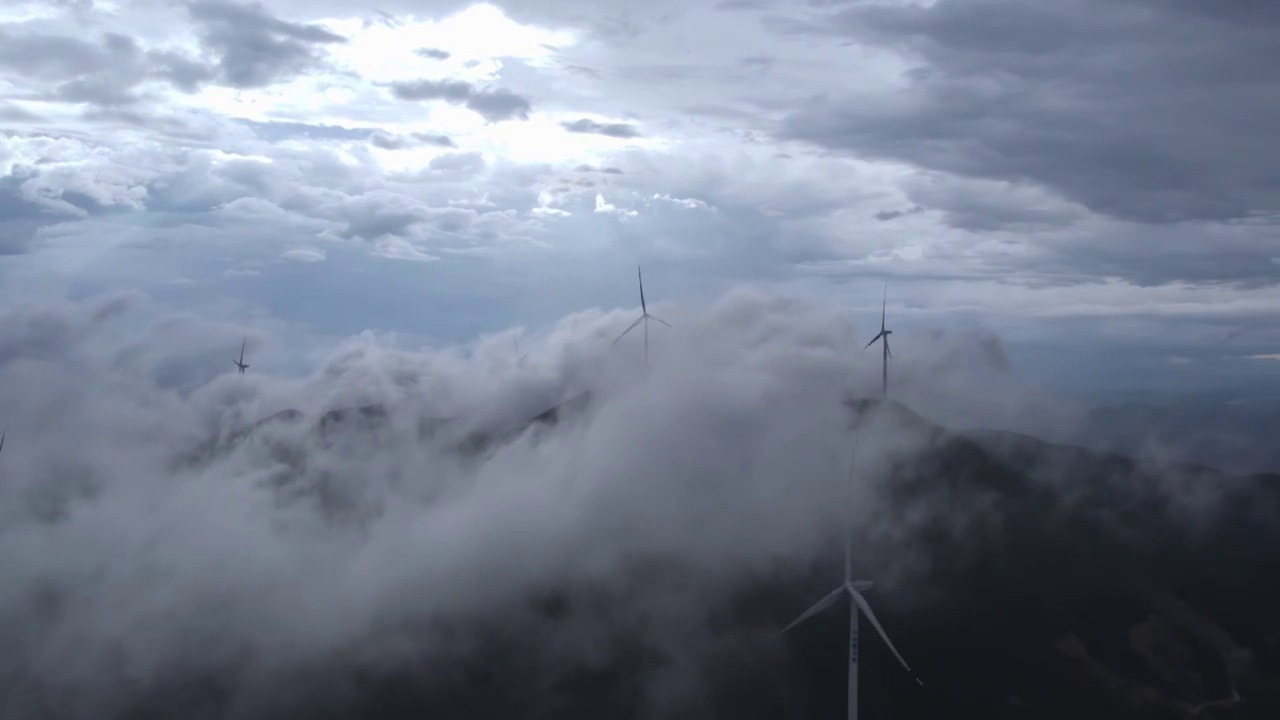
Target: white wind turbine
(645, 317)
(883, 337)
(857, 605)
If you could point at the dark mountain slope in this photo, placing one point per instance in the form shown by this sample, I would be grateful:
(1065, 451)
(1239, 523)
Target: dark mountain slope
(1023, 580)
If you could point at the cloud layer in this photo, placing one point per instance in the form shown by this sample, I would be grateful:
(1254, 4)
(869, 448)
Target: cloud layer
(151, 527)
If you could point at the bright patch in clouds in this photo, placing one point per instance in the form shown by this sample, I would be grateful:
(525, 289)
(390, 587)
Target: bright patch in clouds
(387, 52)
(377, 55)
(265, 133)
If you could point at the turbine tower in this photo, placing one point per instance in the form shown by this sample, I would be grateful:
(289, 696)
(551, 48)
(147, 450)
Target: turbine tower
(2, 441)
(883, 336)
(240, 363)
(645, 317)
(857, 606)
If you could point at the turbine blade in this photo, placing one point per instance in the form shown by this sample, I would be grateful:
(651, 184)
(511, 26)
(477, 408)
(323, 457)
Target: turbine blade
(818, 607)
(2, 441)
(641, 279)
(242, 342)
(874, 339)
(655, 318)
(884, 304)
(630, 327)
(866, 610)
(886, 348)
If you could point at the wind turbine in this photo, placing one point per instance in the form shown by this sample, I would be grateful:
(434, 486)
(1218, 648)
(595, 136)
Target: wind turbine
(240, 363)
(857, 605)
(645, 317)
(883, 336)
(2, 441)
(519, 358)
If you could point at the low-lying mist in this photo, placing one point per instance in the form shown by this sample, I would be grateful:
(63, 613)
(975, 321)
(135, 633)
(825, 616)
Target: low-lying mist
(153, 532)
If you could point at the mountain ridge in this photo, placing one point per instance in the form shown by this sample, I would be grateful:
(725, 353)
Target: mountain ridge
(1051, 581)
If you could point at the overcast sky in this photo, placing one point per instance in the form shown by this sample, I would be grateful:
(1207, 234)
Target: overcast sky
(1094, 181)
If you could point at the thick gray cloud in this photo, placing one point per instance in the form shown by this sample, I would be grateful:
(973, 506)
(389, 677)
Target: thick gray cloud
(493, 105)
(253, 48)
(458, 164)
(1150, 112)
(246, 47)
(74, 70)
(181, 539)
(387, 141)
(618, 130)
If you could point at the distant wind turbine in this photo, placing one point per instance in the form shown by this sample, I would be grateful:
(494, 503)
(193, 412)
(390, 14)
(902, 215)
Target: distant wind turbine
(645, 317)
(883, 336)
(519, 358)
(2, 441)
(857, 604)
(240, 363)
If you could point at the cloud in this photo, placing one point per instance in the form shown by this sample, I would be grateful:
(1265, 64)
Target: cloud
(196, 525)
(617, 130)
(433, 53)
(253, 48)
(136, 149)
(886, 215)
(493, 105)
(387, 141)
(1102, 103)
(458, 164)
(303, 255)
(104, 74)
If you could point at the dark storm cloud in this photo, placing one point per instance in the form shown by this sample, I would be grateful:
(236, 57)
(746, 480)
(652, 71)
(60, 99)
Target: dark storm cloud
(253, 47)
(1150, 112)
(617, 130)
(493, 105)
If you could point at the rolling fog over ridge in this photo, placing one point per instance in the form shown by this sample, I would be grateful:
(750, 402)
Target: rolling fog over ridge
(308, 407)
(140, 559)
